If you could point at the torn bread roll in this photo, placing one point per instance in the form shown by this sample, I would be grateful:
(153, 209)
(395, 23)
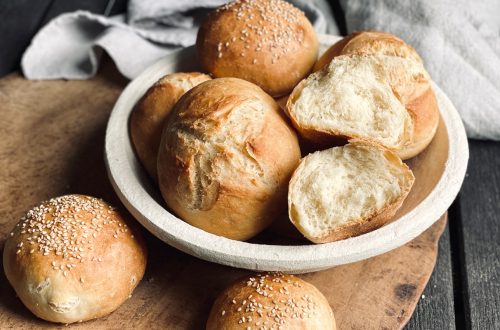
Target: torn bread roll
(271, 301)
(268, 42)
(73, 258)
(370, 86)
(148, 116)
(347, 191)
(225, 158)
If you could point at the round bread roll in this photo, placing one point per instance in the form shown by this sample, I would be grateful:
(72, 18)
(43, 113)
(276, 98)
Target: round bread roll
(268, 42)
(355, 189)
(225, 158)
(148, 116)
(271, 301)
(413, 91)
(73, 258)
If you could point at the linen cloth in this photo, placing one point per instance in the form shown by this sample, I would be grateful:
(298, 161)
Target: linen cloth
(70, 45)
(458, 40)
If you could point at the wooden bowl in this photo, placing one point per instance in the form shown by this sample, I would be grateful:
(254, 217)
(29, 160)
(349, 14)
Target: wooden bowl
(439, 172)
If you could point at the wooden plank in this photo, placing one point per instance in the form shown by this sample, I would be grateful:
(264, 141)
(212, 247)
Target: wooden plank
(435, 309)
(480, 210)
(59, 7)
(20, 20)
(51, 143)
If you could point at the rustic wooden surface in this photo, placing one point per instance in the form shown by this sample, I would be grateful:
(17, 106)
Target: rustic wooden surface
(479, 228)
(51, 143)
(463, 291)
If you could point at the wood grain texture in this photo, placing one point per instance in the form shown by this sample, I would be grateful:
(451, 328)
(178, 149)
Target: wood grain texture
(435, 309)
(480, 230)
(51, 143)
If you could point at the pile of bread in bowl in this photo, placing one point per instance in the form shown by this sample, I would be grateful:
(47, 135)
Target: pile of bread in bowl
(272, 130)
(269, 132)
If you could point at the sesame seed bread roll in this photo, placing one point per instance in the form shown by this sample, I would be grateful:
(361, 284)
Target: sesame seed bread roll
(378, 84)
(225, 158)
(73, 258)
(148, 116)
(268, 42)
(347, 191)
(271, 301)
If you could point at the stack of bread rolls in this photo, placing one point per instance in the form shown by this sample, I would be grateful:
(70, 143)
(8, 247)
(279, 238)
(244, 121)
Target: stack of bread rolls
(228, 160)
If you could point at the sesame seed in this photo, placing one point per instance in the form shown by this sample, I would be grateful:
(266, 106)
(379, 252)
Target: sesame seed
(223, 312)
(61, 226)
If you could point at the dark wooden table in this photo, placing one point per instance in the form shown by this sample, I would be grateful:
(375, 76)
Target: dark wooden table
(464, 290)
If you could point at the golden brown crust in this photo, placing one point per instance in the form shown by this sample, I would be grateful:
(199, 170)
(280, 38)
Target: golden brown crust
(425, 113)
(418, 98)
(367, 223)
(74, 258)
(269, 43)
(271, 301)
(225, 158)
(148, 116)
(368, 42)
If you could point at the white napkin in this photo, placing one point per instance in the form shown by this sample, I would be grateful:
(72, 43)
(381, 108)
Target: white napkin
(459, 41)
(70, 45)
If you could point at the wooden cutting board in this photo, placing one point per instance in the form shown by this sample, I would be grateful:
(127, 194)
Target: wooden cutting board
(51, 143)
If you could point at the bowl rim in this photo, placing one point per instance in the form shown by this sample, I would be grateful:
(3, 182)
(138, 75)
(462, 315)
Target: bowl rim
(126, 174)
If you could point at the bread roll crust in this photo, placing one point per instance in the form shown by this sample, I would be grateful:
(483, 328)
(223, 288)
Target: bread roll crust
(73, 258)
(417, 96)
(148, 116)
(225, 158)
(352, 227)
(268, 42)
(271, 301)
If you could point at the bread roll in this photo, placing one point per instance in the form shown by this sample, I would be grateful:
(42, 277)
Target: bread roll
(372, 86)
(271, 301)
(347, 191)
(148, 116)
(226, 157)
(73, 258)
(268, 42)
(368, 42)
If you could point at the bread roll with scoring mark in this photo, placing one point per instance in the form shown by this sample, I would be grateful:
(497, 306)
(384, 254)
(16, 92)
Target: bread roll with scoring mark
(73, 258)
(268, 42)
(225, 158)
(347, 191)
(148, 116)
(271, 301)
